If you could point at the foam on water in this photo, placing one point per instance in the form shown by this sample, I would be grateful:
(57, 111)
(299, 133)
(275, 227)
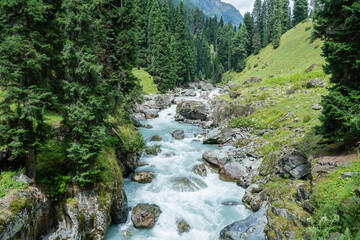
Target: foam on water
(201, 209)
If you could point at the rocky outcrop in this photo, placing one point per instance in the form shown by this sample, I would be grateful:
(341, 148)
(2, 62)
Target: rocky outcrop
(193, 110)
(145, 215)
(128, 161)
(251, 228)
(233, 171)
(178, 134)
(25, 214)
(151, 106)
(218, 135)
(143, 176)
(253, 197)
(256, 79)
(86, 213)
(296, 165)
(316, 83)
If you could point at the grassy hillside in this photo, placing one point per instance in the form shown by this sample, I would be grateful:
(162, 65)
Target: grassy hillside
(146, 81)
(296, 53)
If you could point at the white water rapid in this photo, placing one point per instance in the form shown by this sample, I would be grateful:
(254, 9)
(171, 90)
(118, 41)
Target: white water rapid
(202, 209)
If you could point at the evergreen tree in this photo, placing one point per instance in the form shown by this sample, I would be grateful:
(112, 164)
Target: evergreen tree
(286, 16)
(239, 53)
(249, 23)
(25, 72)
(142, 23)
(256, 40)
(276, 16)
(300, 11)
(265, 35)
(337, 24)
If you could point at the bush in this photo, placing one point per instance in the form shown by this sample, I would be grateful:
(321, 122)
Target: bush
(153, 150)
(337, 206)
(7, 183)
(340, 116)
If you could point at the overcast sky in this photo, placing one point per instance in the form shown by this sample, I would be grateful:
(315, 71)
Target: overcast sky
(245, 5)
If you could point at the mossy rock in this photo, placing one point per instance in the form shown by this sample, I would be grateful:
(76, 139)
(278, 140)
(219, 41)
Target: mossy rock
(269, 163)
(182, 226)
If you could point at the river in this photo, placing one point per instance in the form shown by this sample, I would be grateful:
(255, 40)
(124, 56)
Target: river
(202, 209)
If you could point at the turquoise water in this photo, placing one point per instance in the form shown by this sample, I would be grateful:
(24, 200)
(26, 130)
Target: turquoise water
(201, 209)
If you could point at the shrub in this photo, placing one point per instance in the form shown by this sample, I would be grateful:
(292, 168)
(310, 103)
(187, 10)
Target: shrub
(7, 183)
(153, 150)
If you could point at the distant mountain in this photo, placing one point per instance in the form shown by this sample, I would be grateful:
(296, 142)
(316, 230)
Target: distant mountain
(218, 8)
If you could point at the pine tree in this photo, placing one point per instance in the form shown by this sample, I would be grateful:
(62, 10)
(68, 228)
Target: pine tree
(25, 73)
(286, 16)
(249, 23)
(265, 35)
(142, 22)
(336, 23)
(239, 53)
(300, 11)
(275, 19)
(256, 40)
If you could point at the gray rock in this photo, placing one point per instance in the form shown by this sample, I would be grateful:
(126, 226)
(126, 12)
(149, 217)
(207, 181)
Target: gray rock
(139, 116)
(151, 113)
(296, 164)
(145, 215)
(218, 136)
(253, 198)
(232, 171)
(216, 158)
(190, 93)
(251, 228)
(231, 203)
(187, 184)
(143, 176)
(349, 174)
(22, 178)
(178, 134)
(200, 170)
(119, 211)
(316, 83)
(182, 226)
(193, 110)
(156, 138)
(317, 107)
(135, 122)
(256, 79)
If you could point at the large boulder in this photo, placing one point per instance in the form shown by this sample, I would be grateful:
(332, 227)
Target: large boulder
(187, 184)
(216, 158)
(194, 110)
(143, 176)
(178, 134)
(232, 171)
(218, 136)
(296, 165)
(156, 138)
(145, 215)
(251, 228)
(151, 113)
(119, 211)
(190, 93)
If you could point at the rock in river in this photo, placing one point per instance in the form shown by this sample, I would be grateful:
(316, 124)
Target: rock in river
(178, 134)
(251, 228)
(143, 176)
(145, 215)
(232, 171)
(194, 110)
(200, 170)
(187, 184)
(156, 138)
(216, 158)
(182, 226)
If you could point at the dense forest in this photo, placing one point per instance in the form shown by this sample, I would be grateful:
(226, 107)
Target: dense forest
(178, 46)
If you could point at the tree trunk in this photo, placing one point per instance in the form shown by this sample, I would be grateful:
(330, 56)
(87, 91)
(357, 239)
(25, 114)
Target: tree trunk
(30, 164)
(117, 100)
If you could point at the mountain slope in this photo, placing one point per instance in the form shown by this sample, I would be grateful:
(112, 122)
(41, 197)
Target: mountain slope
(218, 8)
(296, 53)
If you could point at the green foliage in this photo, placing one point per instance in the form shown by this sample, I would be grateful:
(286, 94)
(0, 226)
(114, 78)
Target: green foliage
(7, 184)
(146, 81)
(131, 140)
(153, 150)
(337, 206)
(337, 23)
(301, 8)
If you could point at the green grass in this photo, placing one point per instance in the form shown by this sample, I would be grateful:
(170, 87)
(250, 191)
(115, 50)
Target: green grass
(295, 54)
(146, 81)
(7, 184)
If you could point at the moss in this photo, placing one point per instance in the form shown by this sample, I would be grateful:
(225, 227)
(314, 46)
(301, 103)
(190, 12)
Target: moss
(17, 205)
(73, 202)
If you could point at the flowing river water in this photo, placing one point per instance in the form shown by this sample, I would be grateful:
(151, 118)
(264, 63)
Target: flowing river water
(202, 209)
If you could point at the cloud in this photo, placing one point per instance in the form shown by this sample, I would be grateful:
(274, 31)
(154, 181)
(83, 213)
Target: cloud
(242, 5)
